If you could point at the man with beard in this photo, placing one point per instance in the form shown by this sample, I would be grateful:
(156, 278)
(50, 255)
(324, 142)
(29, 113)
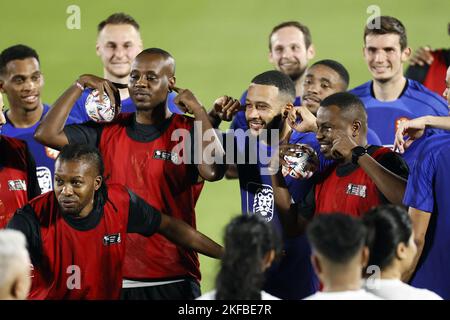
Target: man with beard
(140, 153)
(290, 49)
(362, 176)
(76, 234)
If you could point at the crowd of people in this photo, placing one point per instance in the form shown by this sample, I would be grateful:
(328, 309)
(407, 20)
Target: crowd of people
(106, 209)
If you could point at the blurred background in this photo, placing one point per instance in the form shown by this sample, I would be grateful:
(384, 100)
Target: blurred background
(219, 46)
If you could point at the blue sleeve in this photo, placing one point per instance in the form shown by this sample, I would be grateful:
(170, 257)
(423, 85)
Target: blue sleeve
(171, 105)
(419, 189)
(78, 113)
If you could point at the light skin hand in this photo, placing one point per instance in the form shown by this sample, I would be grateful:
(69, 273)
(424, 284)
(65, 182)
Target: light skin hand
(412, 130)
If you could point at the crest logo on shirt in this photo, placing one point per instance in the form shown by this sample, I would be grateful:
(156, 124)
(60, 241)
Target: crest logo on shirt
(51, 153)
(110, 239)
(357, 190)
(262, 204)
(166, 155)
(17, 185)
(44, 177)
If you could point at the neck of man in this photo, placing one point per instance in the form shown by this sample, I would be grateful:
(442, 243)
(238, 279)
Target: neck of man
(392, 272)
(124, 94)
(299, 85)
(389, 90)
(22, 118)
(153, 116)
(344, 279)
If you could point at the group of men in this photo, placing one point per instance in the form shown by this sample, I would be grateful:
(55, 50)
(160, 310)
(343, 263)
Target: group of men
(117, 184)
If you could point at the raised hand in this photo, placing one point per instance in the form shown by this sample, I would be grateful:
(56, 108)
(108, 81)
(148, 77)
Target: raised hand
(186, 101)
(343, 145)
(408, 132)
(422, 56)
(301, 119)
(101, 85)
(226, 107)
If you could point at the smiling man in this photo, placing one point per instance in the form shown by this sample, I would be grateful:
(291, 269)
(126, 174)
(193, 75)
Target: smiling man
(389, 97)
(118, 43)
(77, 234)
(361, 177)
(22, 81)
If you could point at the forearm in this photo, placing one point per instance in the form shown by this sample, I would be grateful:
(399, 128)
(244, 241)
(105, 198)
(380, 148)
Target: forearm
(50, 131)
(211, 149)
(292, 224)
(437, 122)
(182, 234)
(390, 185)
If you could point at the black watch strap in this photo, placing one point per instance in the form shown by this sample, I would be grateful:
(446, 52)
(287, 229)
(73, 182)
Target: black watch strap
(358, 152)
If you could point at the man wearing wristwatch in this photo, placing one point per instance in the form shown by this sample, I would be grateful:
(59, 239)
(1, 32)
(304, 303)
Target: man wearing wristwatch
(363, 176)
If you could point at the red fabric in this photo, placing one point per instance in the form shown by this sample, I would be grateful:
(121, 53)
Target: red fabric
(68, 252)
(332, 193)
(163, 184)
(13, 177)
(435, 78)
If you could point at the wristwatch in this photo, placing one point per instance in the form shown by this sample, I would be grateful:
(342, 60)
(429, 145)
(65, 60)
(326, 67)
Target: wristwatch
(357, 152)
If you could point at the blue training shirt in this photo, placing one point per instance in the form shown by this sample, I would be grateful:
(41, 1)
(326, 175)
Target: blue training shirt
(80, 115)
(415, 101)
(43, 156)
(428, 190)
(293, 276)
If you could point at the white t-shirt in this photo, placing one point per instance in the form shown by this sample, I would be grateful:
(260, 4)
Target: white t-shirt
(211, 295)
(343, 295)
(393, 289)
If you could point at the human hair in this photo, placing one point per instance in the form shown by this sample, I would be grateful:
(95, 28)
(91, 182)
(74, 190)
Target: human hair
(337, 67)
(338, 237)
(17, 52)
(350, 105)
(388, 226)
(387, 25)
(90, 154)
(158, 51)
(118, 18)
(277, 79)
(13, 249)
(248, 239)
(300, 26)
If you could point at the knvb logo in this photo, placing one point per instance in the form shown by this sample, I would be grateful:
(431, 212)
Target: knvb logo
(110, 239)
(357, 190)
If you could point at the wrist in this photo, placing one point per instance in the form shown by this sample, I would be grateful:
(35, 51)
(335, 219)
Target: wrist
(199, 109)
(358, 152)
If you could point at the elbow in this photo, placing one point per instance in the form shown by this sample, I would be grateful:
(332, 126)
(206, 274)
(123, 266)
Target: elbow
(40, 135)
(212, 173)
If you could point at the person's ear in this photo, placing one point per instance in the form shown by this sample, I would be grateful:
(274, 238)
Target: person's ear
(365, 256)
(286, 109)
(406, 54)
(268, 259)
(97, 49)
(98, 182)
(311, 52)
(356, 128)
(401, 251)
(172, 82)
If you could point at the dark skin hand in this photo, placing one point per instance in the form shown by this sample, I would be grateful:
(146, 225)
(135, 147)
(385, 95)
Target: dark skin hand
(50, 131)
(224, 109)
(188, 103)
